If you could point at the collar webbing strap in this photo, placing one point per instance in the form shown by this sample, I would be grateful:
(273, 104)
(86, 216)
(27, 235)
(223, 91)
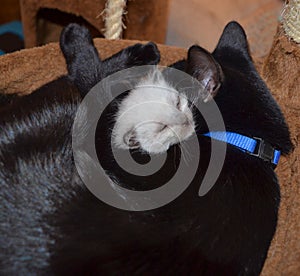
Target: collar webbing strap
(254, 146)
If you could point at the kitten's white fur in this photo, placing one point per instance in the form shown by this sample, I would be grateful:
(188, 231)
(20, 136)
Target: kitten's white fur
(153, 116)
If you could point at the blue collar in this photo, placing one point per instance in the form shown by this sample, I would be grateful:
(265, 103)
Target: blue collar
(254, 146)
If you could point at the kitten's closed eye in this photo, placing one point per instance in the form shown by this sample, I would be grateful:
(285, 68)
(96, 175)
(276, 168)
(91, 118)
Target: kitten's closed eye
(163, 127)
(178, 103)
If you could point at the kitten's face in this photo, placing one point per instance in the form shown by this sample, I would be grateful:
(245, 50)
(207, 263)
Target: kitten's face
(153, 117)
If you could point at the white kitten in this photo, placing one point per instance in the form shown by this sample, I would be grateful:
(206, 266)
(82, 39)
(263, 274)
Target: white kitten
(153, 116)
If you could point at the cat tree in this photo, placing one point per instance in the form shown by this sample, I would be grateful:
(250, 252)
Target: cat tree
(281, 71)
(43, 20)
(24, 71)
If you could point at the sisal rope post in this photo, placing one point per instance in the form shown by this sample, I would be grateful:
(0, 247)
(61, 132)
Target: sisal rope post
(291, 19)
(114, 11)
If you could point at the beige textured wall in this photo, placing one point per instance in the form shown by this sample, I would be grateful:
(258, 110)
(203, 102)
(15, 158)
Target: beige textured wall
(202, 21)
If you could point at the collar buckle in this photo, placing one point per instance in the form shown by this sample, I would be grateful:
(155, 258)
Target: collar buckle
(263, 150)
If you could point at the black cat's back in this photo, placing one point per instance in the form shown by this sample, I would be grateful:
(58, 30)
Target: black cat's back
(35, 145)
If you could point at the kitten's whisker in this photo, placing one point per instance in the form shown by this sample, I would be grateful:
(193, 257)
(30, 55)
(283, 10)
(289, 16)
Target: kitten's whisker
(175, 158)
(196, 99)
(187, 152)
(188, 78)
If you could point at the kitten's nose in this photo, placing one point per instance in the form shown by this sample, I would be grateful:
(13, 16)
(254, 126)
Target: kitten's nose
(186, 123)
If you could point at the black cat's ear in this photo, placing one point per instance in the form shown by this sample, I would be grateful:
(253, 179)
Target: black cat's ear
(233, 37)
(202, 66)
(82, 59)
(143, 54)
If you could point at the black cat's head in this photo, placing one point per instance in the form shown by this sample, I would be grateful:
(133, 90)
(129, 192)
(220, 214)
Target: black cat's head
(245, 102)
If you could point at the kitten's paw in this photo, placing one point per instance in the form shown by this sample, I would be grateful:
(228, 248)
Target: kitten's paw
(144, 54)
(74, 38)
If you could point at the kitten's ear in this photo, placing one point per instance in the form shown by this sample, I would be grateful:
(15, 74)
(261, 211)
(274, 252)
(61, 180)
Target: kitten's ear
(233, 37)
(202, 66)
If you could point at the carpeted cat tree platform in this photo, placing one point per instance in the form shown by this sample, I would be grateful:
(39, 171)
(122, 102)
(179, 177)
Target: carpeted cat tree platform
(24, 71)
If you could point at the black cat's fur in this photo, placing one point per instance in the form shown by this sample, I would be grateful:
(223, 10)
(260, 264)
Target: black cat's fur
(51, 223)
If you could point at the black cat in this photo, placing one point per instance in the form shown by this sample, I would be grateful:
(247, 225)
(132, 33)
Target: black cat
(51, 223)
